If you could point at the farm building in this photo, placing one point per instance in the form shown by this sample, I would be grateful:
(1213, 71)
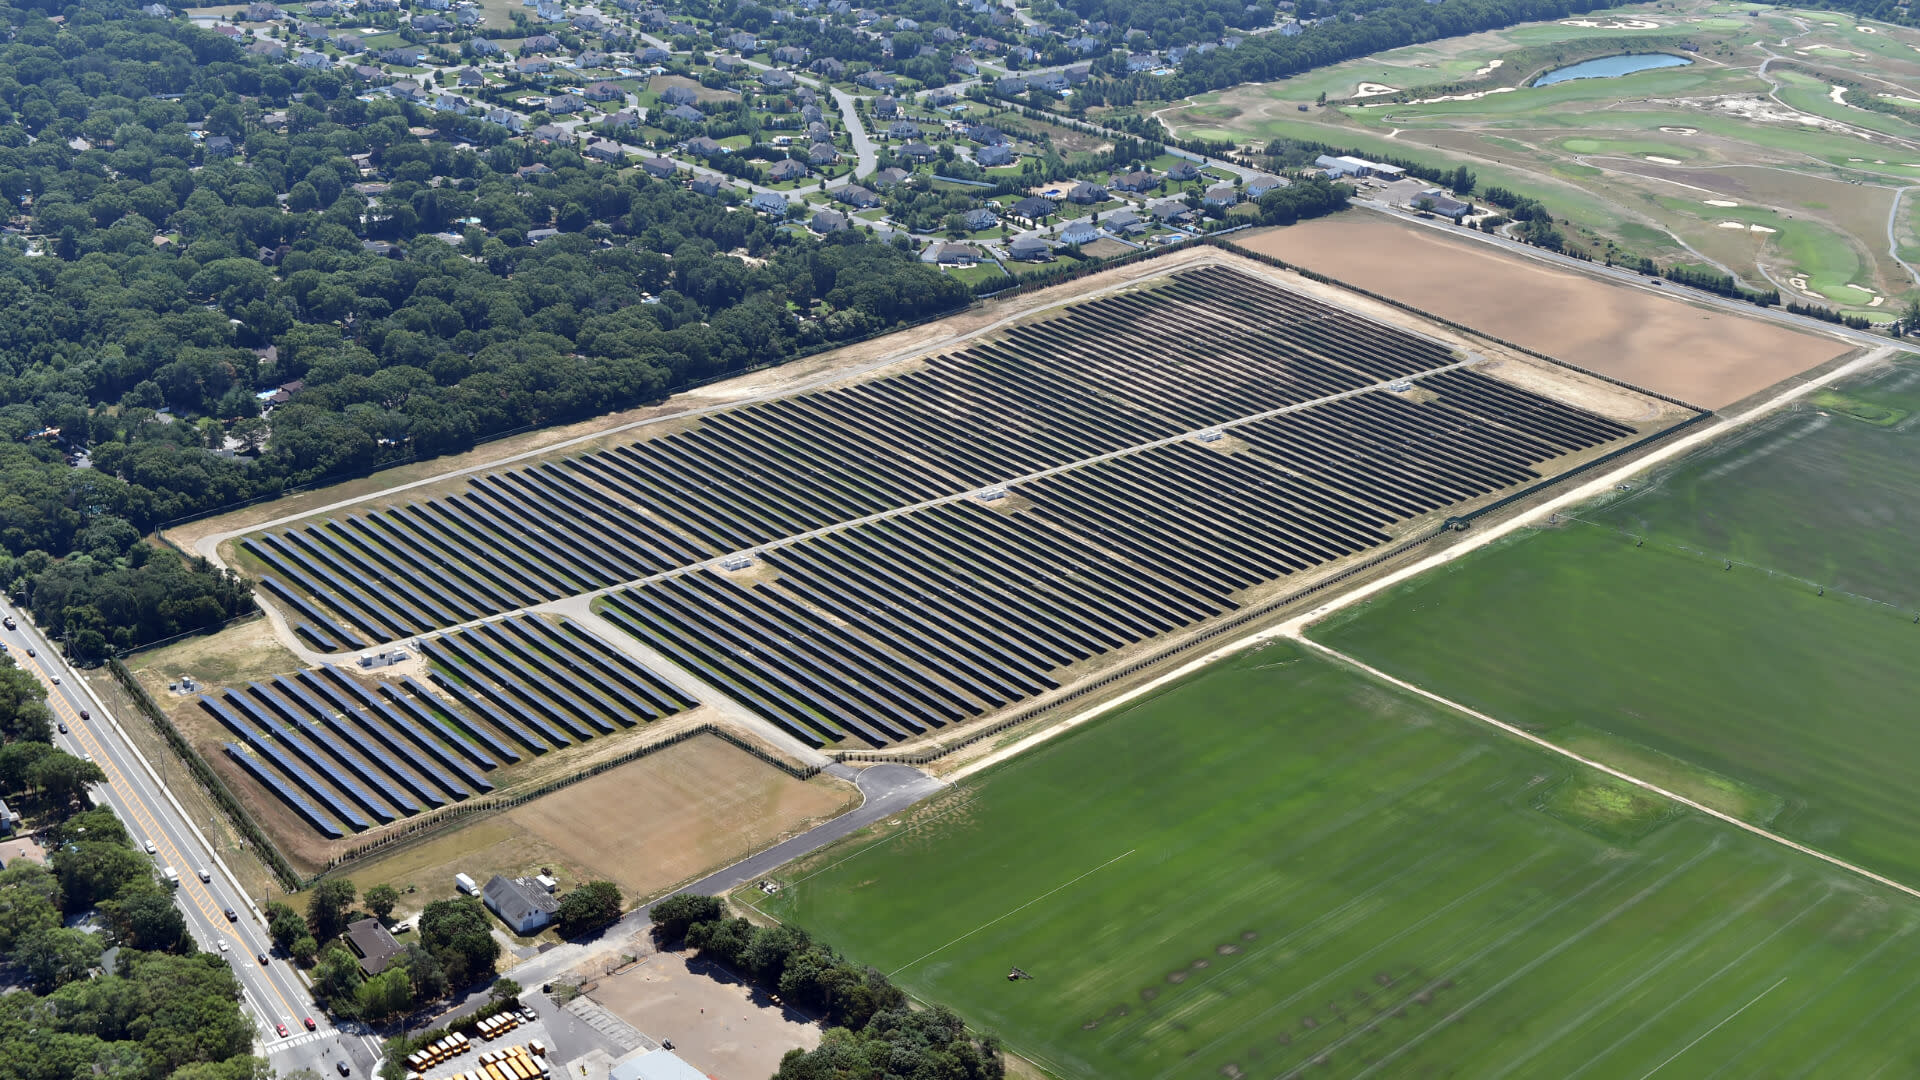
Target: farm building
(1436, 201)
(1344, 166)
(522, 905)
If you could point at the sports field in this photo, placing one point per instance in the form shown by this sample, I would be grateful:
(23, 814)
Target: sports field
(1280, 868)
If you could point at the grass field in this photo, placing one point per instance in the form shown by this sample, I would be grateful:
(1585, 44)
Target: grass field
(1284, 869)
(1752, 676)
(1824, 493)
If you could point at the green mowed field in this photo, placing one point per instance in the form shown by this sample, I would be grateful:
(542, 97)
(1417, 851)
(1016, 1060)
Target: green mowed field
(1281, 867)
(1749, 676)
(1824, 493)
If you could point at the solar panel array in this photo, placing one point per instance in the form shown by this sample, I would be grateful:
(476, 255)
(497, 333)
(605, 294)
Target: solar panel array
(348, 755)
(1119, 527)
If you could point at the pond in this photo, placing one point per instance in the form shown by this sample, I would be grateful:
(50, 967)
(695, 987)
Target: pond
(1608, 67)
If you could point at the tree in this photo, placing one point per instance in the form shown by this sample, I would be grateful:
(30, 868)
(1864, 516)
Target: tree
(64, 778)
(672, 916)
(92, 871)
(29, 901)
(385, 995)
(285, 925)
(459, 934)
(380, 899)
(337, 978)
(327, 908)
(56, 956)
(591, 906)
(504, 989)
(1912, 315)
(142, 915)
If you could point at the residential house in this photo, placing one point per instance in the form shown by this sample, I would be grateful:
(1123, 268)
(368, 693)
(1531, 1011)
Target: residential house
(1137, 181)
(218, 146)
(886, 106)
(982, 218)
(1183, 171)
(775, 79)
(407, 90)
(507, 118)
(407, 56)
(158, 11)
(1138, 62)
(741, 42)
(1033, 209)
(1086, 194)
(536, 169)
(606, 150)
(606, 91)
(986, 135)
(1030, 247)
(811, 114)
(768, 202)
(373, 944)
(679, 95)
(1080, 232)
(625, 119)
(1221, 195)
(701, 146)
(1123, 222)
(729, 64)
(434, 24)
(524, 906)
(533, 65)
(857, 197)
(659, 168)
(828, 66)
(1260, 183)
(653, 54)
(272, 50)
(706, 185)
(1051, 81)
(964, 65)
(822, 153)
(787, 169)
(480, 46)
(261, 13)
(903, 129)
(956, 255)
(1010, 86)
(888, 177)
(919, 152)
(790, 54)
(452, 103)
(1170, 211)
(989, 157)
(878, 80)
(553, 133)
(313, 60)
(827, 221)
(565, 103)
(534, 236)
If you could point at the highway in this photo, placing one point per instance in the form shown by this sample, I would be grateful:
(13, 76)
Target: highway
(273, 994)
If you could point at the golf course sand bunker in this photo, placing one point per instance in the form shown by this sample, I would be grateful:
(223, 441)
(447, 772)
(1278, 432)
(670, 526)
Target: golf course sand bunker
(1705, 357)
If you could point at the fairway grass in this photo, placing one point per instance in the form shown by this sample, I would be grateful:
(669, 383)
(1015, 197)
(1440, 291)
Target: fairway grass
(1750, 675)
(1280, 867)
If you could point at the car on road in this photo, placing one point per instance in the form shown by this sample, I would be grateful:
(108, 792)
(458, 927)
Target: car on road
(223, 945)
(56, 680)
(204, 876)
(232, 916)
(30, 651)
(9, 623)
(262, 957)
(84, 714)
(63, 727)
(311, 1026)
(282, 1029)
(342, 1067)
(149, 847)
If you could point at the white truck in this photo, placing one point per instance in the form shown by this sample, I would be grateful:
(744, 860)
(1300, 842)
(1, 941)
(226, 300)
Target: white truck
(172, 876)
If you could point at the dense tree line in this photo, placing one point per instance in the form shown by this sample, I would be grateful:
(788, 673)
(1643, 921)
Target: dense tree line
(1308, 197)
(874, 1032)
(163, 1009)
(161, 289)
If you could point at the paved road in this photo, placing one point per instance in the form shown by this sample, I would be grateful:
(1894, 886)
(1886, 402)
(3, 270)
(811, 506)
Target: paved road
(888, 789)
(273, 994)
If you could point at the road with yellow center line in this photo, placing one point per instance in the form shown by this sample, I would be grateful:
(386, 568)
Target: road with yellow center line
(137, 796)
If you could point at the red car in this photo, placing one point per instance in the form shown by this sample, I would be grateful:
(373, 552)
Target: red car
(283, 1030)
(311, 1026)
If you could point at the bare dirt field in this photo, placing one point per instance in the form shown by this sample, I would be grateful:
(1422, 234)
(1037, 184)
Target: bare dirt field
(647, 826)
(720, 1025)
(1705, 357)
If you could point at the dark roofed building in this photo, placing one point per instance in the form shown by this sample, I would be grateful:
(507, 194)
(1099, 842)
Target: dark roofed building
(1033, 208)
(371, 942)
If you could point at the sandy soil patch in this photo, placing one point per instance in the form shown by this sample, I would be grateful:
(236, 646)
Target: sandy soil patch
(719, 1024)
(1475, 96)
(1706, 357)
(1720, 202)
(1658, 160)
(1374, 89)
(1681, 130)
(1491, 67)
(1732, 225)
(1612, 24)
(1902, 99)
(243, 651)
(647, 826)
(1761, 229)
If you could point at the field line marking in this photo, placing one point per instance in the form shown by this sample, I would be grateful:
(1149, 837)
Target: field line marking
(1545, 744)
(1807, 1003)
(1714, 1028)
(1012, 913)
